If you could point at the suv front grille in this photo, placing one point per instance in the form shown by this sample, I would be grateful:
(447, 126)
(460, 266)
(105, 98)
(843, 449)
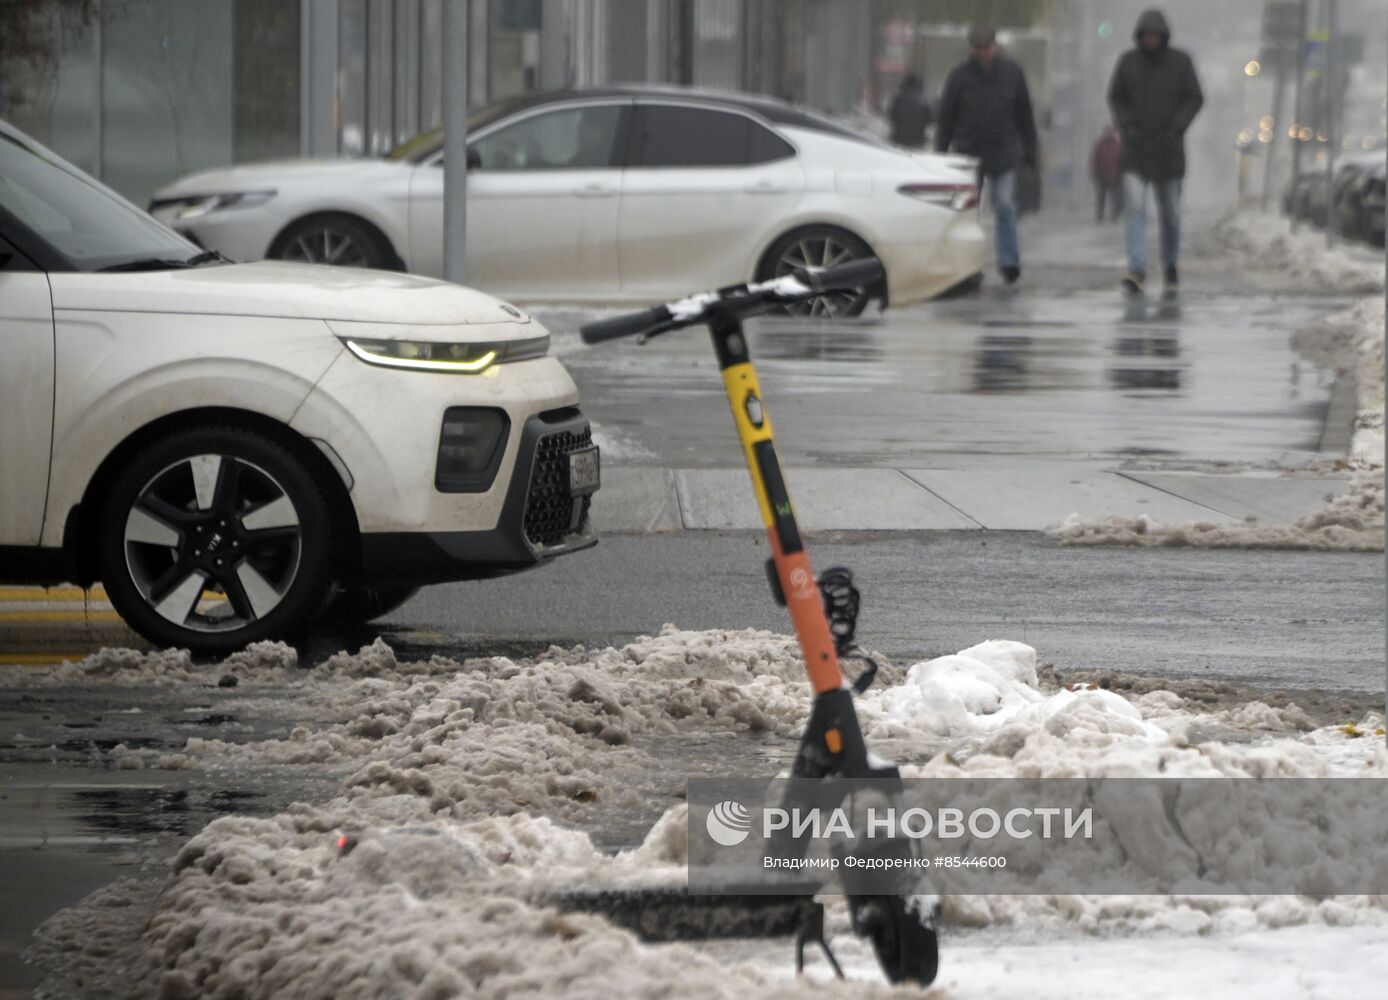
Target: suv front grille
(549, 509)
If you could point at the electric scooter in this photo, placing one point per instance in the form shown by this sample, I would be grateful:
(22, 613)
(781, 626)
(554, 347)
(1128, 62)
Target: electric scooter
(823, 611)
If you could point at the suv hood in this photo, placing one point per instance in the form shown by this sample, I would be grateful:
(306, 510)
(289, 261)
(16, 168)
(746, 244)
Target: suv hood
(285, 289)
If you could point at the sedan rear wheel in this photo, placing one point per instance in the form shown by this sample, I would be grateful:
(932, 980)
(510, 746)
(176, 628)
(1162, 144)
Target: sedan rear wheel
(815, 249)
(214, 538)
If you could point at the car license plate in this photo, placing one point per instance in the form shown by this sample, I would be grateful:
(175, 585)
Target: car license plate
(584, 471)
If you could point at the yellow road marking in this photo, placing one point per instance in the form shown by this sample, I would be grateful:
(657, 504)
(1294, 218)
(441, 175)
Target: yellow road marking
(37, 659)
(59, 616)
(51, 594)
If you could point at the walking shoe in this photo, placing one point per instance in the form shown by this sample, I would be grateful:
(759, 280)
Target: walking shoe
(1010, 274)
(1170, 281)
(1132, 282)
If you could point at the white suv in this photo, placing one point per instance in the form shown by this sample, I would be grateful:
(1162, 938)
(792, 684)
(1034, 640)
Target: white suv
(230, 448)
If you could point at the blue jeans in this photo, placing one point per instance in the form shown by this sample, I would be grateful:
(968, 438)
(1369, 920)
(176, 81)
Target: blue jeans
(1168, 198)
(1002, 195)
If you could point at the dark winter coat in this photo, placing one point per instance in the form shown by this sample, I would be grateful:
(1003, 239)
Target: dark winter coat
(1154, 96)
(910, 117)
(987, 113)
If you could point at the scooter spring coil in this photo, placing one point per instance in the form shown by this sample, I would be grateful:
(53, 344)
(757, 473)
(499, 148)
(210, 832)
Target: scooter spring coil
(841, 602)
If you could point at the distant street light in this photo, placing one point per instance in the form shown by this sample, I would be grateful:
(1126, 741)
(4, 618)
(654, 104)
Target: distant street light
(1253, 68)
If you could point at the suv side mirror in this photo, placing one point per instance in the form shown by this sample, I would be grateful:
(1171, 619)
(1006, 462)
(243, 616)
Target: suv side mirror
(474, 160)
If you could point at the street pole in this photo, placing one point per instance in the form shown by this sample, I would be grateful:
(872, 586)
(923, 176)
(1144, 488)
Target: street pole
(1332, 16)
(455, 73)
(1281, 87)
(318, 59)
(1296, 100)
(99, 91)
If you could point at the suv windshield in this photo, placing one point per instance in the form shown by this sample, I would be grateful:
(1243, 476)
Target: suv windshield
(83, 221)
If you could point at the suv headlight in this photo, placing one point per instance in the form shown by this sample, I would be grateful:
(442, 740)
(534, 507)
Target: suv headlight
(462, 359)
(196, 206)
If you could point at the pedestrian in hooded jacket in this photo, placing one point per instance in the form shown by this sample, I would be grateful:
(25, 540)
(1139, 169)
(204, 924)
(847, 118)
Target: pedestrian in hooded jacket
(910, 114)
(1154, 96)
(985, 111)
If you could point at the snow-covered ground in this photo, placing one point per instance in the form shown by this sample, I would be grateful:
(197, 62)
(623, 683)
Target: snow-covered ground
(469, 788)
(1352, 522)
(1295, 963)
(1266, 242)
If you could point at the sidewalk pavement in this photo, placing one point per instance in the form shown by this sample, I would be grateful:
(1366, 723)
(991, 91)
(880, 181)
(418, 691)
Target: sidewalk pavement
(1021, 496)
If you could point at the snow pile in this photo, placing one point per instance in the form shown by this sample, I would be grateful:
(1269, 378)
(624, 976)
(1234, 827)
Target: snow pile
(496, 736)
(1352, 522)
(1351, 343)
(462, 783)
(260, 662)
(263, 908)
(1268, 241)
(1003, 726)
(997, 722)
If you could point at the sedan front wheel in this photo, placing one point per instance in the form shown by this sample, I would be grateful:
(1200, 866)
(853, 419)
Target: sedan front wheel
(332, 239)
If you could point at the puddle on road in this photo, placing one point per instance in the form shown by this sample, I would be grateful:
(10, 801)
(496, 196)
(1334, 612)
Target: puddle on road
(39, 815)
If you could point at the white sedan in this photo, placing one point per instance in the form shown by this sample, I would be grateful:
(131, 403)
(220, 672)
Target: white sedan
(225, 445)
(616, 195)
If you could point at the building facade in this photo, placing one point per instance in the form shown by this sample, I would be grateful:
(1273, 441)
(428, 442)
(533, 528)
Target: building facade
(142, 91)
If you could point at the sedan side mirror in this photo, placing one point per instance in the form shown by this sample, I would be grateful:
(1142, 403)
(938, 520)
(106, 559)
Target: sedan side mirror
(474, 160)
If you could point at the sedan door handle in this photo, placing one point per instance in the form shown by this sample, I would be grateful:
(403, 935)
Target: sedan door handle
(766, 187)
(596, 190)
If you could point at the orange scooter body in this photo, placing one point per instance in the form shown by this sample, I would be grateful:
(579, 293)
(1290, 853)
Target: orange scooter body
(796, 577)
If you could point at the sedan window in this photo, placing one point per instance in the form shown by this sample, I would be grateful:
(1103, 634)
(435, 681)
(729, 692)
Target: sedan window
(673, 136)
(572, 139)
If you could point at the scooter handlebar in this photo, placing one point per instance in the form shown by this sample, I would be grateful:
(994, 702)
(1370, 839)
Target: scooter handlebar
(854, 274)
(745, 299)
(626, 325)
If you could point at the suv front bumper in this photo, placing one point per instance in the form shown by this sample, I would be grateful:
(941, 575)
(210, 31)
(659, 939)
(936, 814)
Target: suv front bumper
(540, 518)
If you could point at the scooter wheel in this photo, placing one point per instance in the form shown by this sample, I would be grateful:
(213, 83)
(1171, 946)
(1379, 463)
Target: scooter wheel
(906, 944)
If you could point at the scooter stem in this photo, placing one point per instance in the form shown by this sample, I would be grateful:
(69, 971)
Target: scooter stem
(797, 579)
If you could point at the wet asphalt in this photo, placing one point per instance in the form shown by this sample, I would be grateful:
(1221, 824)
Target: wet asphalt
(1002, 375)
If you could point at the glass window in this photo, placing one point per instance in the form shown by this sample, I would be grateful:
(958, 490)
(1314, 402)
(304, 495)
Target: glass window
(426, 144)
(76, 216)
(571, 139)
(670, 136)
